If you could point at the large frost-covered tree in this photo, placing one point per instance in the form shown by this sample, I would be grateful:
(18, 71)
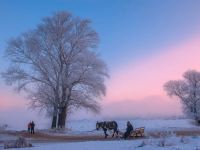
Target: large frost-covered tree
(188, 91)
(58, 67)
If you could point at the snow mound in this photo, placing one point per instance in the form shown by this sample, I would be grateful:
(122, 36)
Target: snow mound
(3, 127)
(19, 143)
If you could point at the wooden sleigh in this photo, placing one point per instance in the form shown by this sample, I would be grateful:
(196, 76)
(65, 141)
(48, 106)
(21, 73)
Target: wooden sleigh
(138, 132)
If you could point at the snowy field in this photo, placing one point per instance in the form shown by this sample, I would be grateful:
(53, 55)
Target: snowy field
(170, 143)
(149, 124)
(87, 127)
(77, 126)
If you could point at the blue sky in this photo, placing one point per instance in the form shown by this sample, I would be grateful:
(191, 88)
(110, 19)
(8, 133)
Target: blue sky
(128, 29)
(137, 38)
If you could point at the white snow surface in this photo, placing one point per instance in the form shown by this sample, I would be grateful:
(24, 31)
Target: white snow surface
(149, 124)
(6, 137)
(170, 143)
(88, 127)
(82, 127)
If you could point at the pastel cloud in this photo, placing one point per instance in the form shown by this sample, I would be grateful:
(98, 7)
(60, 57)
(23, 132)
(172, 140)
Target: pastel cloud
(144, 79)
(15, 112)
(152, 106)
(10, 100)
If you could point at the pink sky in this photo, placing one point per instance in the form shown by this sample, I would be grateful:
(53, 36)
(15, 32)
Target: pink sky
(141, 83)
(138, 85)
(10, 100)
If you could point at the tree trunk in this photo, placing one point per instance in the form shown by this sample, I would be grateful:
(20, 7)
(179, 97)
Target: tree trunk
(54, 119)
(62, 118)
(53, 124)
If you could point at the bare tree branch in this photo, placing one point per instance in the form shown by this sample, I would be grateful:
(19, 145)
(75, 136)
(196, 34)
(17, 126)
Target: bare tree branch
(56, 61)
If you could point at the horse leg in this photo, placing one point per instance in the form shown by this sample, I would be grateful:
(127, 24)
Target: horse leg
(105, 133)
(113, 133)
(117, 131)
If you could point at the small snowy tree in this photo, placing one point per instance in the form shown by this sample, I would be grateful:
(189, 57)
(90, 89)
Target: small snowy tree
(188, 92)
(57, 65)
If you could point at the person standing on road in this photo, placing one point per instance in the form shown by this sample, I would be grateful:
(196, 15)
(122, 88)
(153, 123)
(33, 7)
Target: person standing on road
(29, 127)
(32, 127)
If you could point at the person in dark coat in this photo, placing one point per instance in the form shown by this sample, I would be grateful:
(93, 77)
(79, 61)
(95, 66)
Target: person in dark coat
(129, 128)
(29, 127)
(32, 127)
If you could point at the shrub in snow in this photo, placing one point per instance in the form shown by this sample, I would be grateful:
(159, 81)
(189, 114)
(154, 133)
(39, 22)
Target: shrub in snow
(143, 144)
(3, 127)
(162, 143)
(166, 133)
(184, 140)
(19, 143)
(195, 137)
(146, 143)
(166, 142)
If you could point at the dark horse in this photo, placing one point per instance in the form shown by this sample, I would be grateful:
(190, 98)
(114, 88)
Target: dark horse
(108, 125)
